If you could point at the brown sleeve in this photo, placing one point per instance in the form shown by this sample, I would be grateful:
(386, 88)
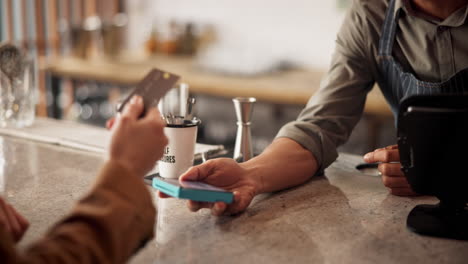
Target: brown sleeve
(108, 225)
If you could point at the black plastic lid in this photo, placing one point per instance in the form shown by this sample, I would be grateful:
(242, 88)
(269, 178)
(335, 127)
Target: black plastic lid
(187, 123)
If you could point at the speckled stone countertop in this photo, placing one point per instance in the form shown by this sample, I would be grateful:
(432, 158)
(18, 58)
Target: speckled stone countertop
(344, 217)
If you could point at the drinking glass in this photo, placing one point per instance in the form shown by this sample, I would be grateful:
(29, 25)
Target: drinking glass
(18, 95)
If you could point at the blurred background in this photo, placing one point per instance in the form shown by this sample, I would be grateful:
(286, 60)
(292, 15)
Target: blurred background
(89, 54)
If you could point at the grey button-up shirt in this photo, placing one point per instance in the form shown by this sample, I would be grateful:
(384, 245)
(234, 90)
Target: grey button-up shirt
(432, 50)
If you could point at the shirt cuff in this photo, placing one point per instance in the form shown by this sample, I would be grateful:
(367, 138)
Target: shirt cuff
(311, 138)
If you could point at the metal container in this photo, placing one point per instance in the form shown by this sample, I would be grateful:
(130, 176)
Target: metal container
(244, 109)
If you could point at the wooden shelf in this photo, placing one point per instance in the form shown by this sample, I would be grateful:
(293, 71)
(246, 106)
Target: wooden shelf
(288, 87)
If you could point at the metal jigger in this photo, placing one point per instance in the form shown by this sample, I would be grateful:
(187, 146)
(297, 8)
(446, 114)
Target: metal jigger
(244, 108)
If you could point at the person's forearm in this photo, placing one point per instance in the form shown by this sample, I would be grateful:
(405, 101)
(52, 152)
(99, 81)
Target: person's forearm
(107, 226)
(283, 164)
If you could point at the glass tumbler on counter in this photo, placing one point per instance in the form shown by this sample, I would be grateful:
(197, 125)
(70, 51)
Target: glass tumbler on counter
(18, 94)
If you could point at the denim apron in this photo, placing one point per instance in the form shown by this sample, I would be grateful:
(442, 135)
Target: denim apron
(396, 84)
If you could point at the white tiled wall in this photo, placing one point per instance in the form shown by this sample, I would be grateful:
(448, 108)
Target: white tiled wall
(301, 31)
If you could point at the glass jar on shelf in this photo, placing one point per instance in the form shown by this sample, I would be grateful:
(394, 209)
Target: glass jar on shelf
(18, 92)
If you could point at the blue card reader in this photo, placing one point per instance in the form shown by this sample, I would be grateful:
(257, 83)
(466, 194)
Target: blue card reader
(192, 190)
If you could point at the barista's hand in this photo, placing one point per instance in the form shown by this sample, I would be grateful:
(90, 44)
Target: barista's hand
(136, 143)
(390, 168)
(227, 174)
(12, 221)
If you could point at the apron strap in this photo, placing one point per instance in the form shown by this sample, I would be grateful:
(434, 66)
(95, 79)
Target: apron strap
(389, 30)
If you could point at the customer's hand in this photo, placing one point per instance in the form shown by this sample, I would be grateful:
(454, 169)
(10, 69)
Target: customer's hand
(223, 173)
(110, 123)
(12, 221)
(136, 143)
(390, 168)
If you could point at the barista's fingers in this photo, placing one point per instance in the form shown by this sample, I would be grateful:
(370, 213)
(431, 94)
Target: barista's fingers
(382, 155)
(390, 169)
(403, 192)
(192, 174)
(240, 204)
(200, 172)
(163, 195)
(195, 206)
(388, 155)
(218, 208)
(387, 147)
(395, 182)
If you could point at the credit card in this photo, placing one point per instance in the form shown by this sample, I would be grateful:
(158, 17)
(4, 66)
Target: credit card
(155, 84)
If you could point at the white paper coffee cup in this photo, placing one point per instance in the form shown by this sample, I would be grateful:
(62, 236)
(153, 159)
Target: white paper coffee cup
(178, 154)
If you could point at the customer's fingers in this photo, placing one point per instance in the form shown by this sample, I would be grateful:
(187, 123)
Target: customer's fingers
(153, 118)
(133, 108)
(153, 115)
(110, 123)
(20, 224)
(13, 225)
(4, 217)
(382, 155)
(23, 222)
